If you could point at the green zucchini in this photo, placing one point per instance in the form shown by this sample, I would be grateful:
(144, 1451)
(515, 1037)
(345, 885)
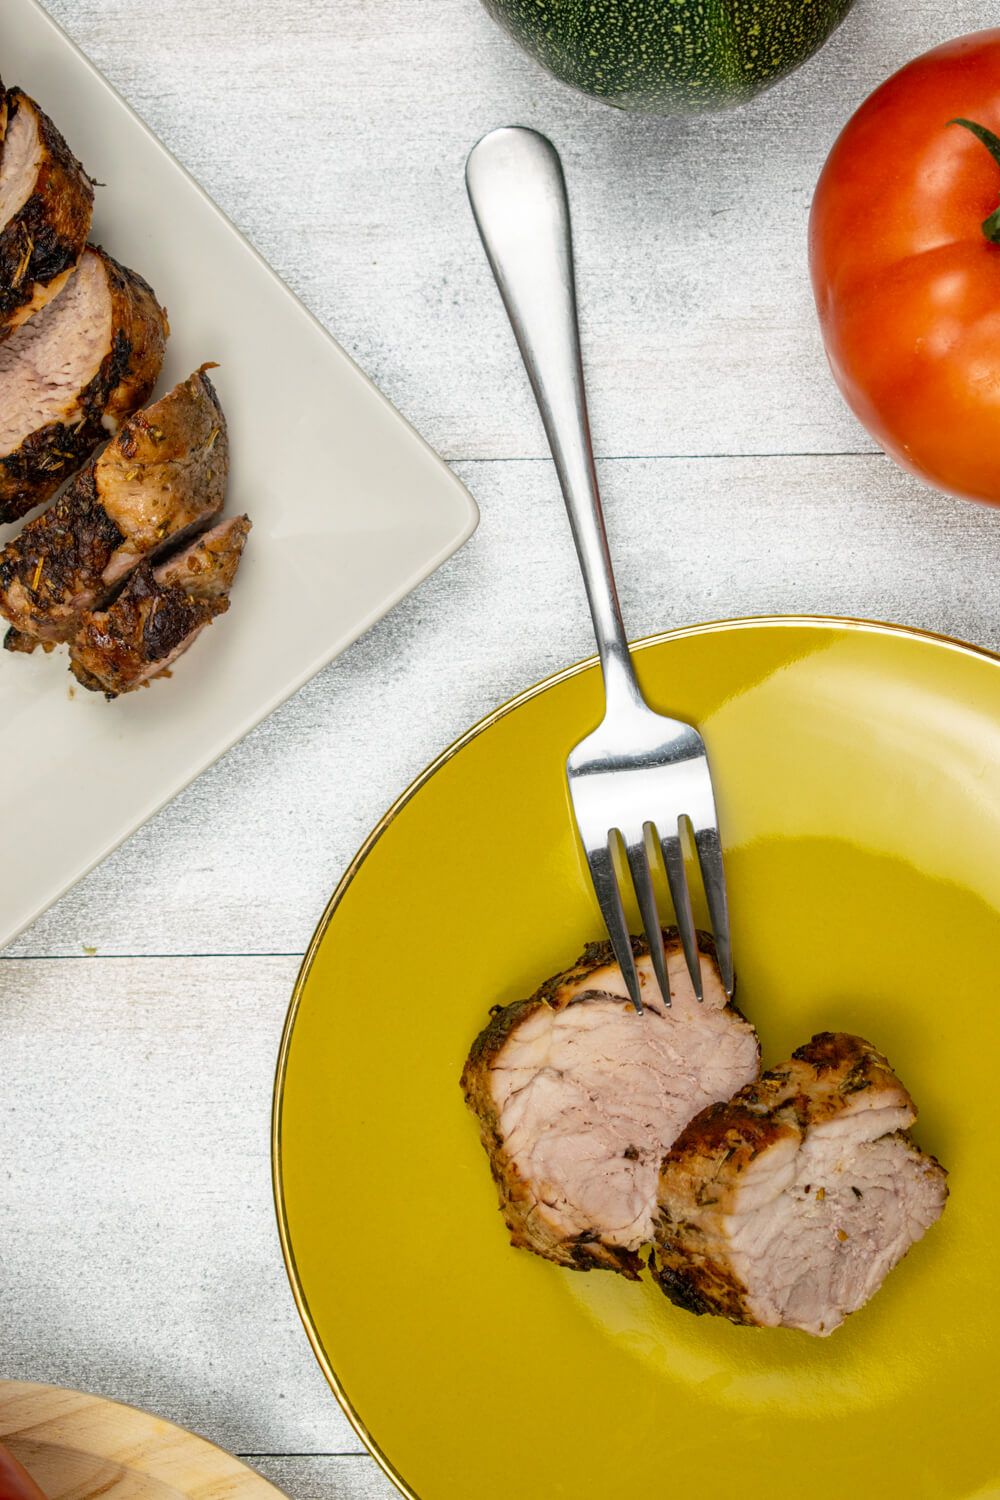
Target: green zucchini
(670, 56)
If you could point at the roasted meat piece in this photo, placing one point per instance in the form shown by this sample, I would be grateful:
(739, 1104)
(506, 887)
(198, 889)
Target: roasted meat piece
(578, 1098)
(46, 205)
(70, 376)
(162, 479)
(206, 569)
(790, 1204)
(159, 613)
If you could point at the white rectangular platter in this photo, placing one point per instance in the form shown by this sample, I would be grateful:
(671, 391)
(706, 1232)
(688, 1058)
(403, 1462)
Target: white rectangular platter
(350, 508)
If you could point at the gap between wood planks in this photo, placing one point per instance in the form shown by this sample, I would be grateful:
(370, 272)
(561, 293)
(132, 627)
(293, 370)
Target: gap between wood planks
(49, 958)
(629, 458)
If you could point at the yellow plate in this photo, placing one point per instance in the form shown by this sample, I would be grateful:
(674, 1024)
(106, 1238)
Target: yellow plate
(858, 772)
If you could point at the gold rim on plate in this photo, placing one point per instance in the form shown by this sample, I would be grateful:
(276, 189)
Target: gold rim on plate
(645, 643)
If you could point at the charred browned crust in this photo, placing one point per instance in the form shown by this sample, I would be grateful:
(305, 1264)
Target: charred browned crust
(157, 615)
(207, 568)
(57, 556)
(820, 1078)
(63, 553)
(14, 641)
(830, 1050)
(699, 1285)
(42, 242)
(124, 380)
(701, 1173)
(188, 418)
(585, 1252)
(146, 624)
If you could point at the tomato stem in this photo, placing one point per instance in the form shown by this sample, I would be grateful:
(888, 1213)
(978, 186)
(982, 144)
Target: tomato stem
(991, 224)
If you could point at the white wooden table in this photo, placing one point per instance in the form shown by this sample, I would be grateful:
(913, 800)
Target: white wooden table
(139, 1019)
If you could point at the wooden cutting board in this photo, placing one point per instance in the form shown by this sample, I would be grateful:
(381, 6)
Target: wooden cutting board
(77, 1446)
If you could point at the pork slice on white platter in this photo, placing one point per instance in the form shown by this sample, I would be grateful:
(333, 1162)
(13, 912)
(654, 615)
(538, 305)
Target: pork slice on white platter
(790, 1204)
(159, 482)
(72, 375)
(46, 206)
(159, 614)
(578, 1098)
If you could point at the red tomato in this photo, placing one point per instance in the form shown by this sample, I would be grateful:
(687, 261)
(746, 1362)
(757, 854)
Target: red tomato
(15, 1482)
(907, 283)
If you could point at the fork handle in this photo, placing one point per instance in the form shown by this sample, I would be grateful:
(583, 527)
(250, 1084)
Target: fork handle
(518, 196)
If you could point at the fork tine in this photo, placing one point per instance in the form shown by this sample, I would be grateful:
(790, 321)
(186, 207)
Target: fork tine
(714, 879)
(602, 873)
(638, 863)
(673, 858)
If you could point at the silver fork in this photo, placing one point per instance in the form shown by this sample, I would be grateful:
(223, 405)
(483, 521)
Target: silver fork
(640, 776)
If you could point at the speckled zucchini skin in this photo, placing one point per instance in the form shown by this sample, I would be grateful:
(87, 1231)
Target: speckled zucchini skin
(670, 56)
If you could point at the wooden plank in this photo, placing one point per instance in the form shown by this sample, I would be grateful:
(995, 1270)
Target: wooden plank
(335, 136)
(245, 860)
(140, 1254)
(327, 1478)
(140, 1257)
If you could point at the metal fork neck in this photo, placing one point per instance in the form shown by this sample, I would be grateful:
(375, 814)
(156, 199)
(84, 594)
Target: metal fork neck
(519, 200)
(621, 690)
(569, 440)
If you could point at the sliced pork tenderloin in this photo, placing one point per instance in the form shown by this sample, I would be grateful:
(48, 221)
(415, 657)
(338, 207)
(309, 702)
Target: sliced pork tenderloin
(578, 1098)
(159, 613)
(46, 206)
(71, 376)
(206, 569)
(160, 481)
(790, 1204)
